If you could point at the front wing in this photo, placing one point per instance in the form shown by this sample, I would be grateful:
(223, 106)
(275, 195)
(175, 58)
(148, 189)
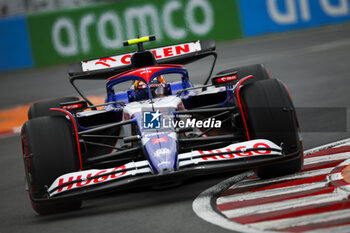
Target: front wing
(236, 156)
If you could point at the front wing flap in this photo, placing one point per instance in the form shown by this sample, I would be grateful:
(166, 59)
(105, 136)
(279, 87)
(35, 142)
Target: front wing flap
(242, 153)
(248, 149)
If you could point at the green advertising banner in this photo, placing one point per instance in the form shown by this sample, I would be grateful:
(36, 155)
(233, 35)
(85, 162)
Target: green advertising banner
(99, 30)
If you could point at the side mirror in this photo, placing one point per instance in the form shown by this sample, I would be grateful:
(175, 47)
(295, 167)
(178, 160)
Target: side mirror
(225, 78)
(74, 105)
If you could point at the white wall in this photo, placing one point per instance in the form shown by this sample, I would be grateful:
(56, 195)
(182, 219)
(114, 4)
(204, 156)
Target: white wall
(18, 7)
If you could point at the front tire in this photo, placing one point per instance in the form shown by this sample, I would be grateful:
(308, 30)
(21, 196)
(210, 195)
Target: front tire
(49, 151)
(271, 115)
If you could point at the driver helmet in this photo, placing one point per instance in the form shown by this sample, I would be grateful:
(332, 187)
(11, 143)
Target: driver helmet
(157, 86)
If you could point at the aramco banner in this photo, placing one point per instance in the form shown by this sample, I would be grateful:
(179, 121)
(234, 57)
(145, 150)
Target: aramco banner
(99, 30)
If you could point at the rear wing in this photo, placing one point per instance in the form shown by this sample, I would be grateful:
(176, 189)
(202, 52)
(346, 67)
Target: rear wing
(106, 67)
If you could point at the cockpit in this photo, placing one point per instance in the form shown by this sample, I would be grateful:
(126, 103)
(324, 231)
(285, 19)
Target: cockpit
(147, 83)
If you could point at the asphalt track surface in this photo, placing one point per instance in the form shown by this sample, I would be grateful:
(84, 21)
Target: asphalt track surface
(315, 66)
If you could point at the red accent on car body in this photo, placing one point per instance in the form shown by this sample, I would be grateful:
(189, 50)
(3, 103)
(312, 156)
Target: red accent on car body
(240, 104)
(159, 140)
(75, 131)
(104, 61)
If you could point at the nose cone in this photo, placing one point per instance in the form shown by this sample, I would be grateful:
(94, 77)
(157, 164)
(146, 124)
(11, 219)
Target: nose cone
(161, 149)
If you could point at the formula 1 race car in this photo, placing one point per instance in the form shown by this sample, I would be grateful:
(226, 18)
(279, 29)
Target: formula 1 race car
(156, 128)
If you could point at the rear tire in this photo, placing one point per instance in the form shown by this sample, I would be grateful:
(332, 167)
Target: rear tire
(49, 150)
(258, 71)
(42, 108)
(271, 115)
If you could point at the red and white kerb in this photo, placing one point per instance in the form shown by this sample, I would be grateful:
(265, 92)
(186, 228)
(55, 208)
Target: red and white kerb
(314, 200)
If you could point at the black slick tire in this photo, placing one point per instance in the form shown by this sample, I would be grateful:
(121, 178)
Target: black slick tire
(49, 151)
(270, 115)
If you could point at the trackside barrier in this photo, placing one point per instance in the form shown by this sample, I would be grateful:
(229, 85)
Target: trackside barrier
(71, 35)
(14, 44)
(266, 16)
(99, 30)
